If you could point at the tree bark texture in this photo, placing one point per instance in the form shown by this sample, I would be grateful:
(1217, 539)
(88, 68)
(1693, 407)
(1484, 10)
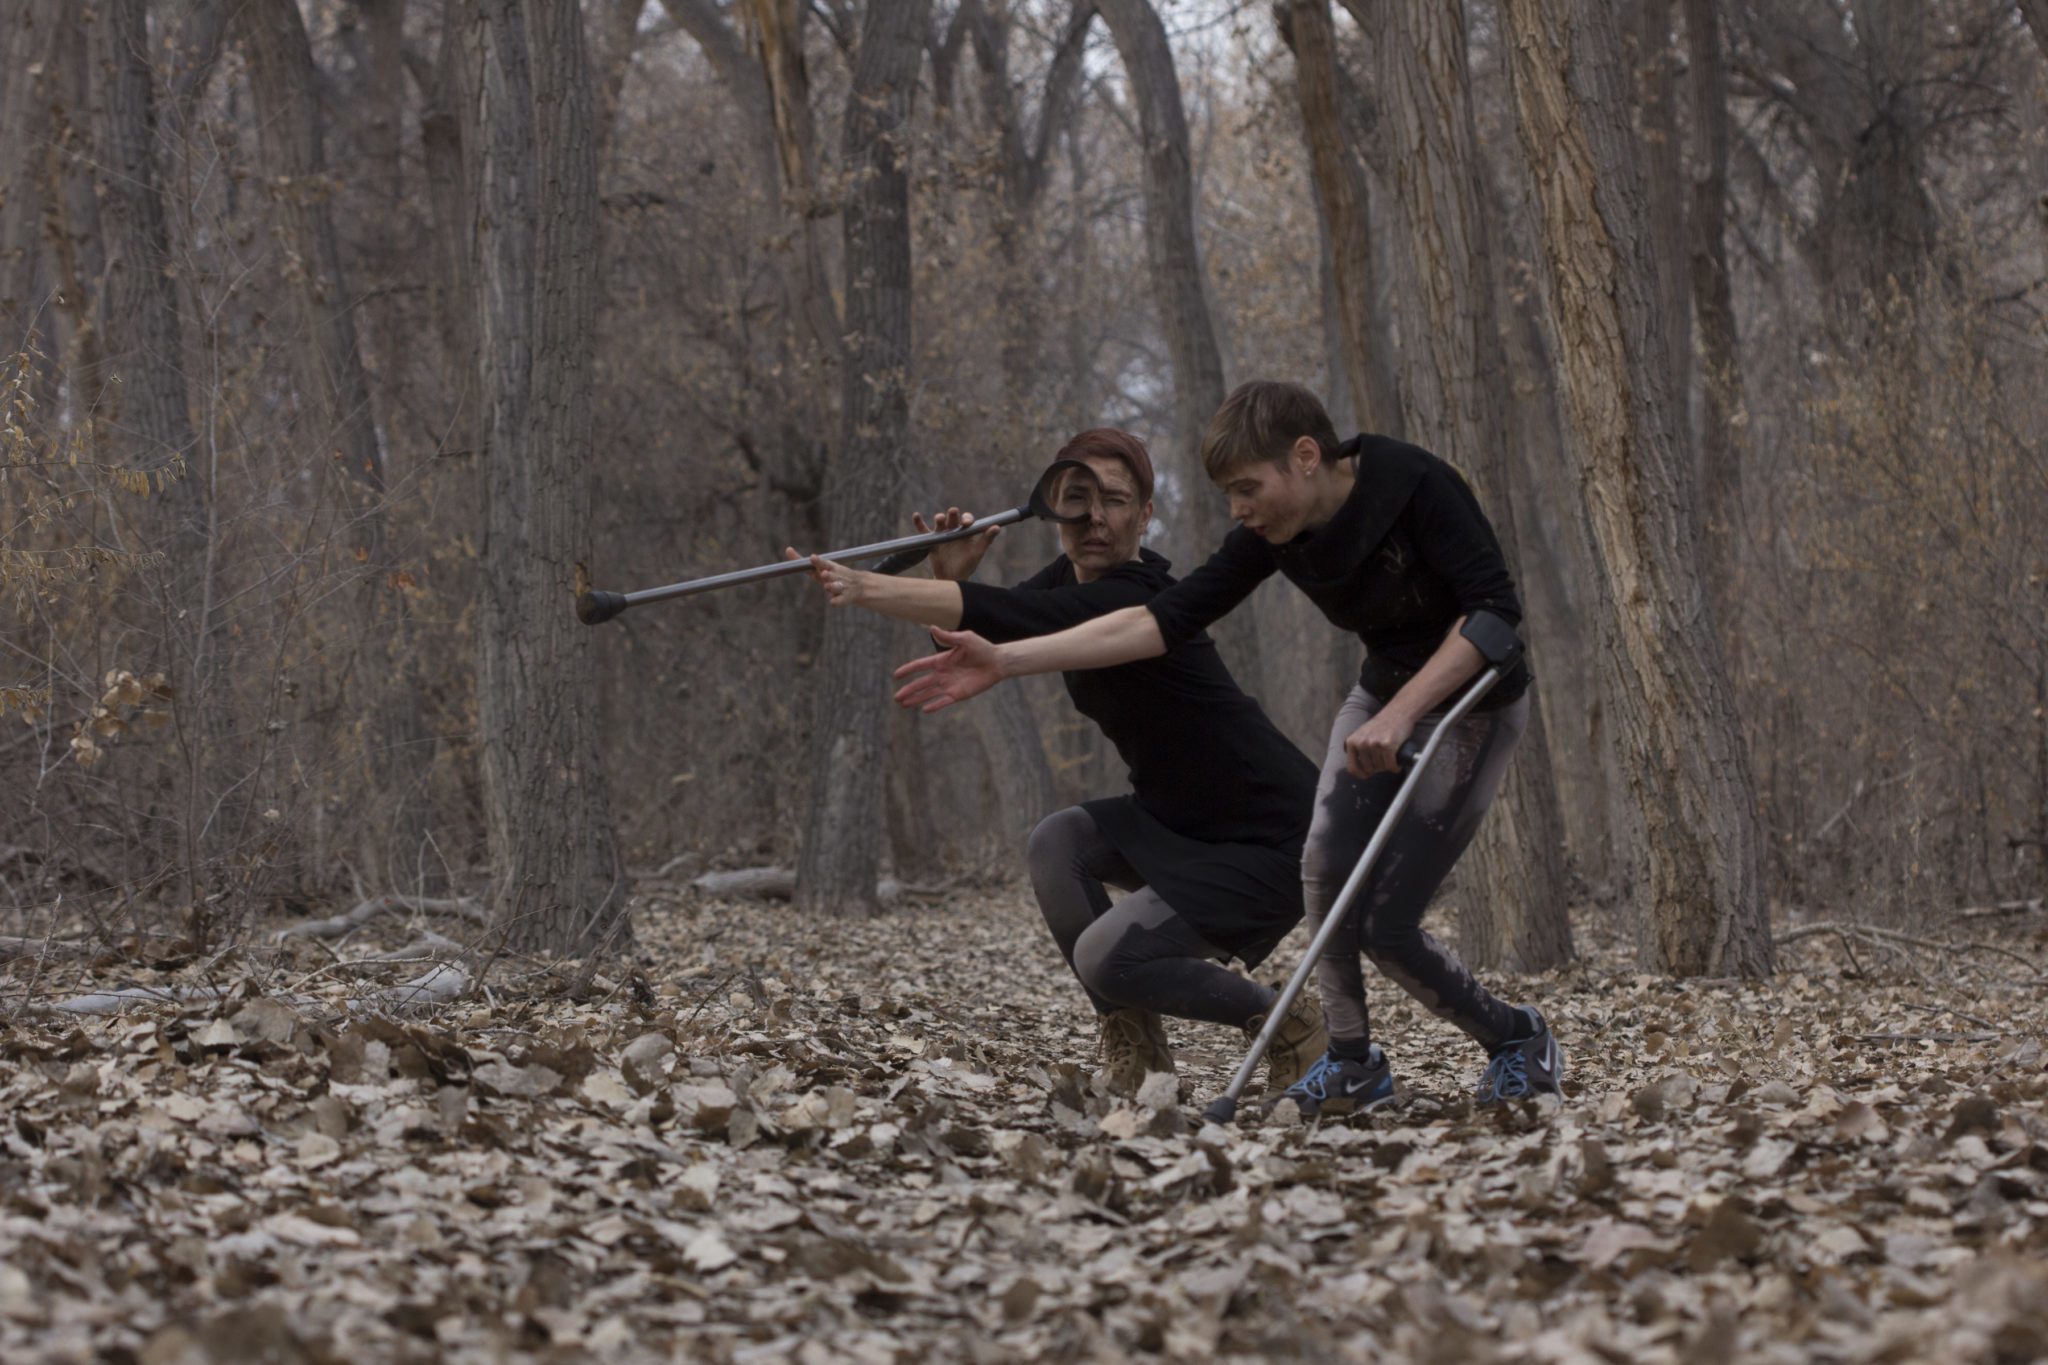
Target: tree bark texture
(148, 415)
(1342, 194)
(1175, 261)
(1688, 767)
(865, 485)
(394, 744)
(1454, 378)
(556, 879)
(1721, 446)
(1664, 180)
(29, 32)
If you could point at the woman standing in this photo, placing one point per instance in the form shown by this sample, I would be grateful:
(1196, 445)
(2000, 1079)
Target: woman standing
(1207, 843)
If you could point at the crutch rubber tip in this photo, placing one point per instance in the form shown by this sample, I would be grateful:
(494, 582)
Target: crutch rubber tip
(1223, 1110)
(593, 606)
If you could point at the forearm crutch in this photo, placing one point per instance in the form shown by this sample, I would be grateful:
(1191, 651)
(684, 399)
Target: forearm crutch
(1500, 647)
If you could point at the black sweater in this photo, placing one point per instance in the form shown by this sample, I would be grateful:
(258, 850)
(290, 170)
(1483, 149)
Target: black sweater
(1407, 554)
(1205, 761)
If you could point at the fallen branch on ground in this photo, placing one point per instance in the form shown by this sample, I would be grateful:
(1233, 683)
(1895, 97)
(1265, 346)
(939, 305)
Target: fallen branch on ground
(336, 925)
(135, 997)
(1886, 938)
(2001, 909)
(1928, 1037)
(779, 884)
(12, 947)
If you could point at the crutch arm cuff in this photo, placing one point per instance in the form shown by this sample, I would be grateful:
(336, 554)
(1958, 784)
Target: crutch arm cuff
(1494, 637)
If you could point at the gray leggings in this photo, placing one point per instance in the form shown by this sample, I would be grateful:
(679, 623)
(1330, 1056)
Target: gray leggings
(1385, 922)
(1137, 953)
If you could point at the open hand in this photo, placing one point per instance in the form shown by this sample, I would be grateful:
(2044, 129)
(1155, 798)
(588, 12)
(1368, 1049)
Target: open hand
(956, 559)
(1375, 746)
(969, 667)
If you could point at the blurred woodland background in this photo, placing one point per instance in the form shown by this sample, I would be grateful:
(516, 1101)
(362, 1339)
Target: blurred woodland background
(345, 340)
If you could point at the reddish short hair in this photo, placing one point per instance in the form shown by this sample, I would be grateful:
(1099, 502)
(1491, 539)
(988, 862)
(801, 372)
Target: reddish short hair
(1112, 444)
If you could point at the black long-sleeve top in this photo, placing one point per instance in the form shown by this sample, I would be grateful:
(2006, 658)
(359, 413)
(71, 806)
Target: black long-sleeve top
(1407, 554)
(1205, 760)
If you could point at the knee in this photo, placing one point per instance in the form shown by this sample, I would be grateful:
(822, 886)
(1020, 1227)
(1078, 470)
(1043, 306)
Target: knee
(1386, 941)
(1054, 842)
(1098, 963)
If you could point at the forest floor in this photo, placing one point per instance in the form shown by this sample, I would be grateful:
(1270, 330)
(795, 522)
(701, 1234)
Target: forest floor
(875, 1141)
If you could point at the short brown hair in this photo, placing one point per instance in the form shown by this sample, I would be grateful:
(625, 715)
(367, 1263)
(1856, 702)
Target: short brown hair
(1112, 444)
(1261, 420)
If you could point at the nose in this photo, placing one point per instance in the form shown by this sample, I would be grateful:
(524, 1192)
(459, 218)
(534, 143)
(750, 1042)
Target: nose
(1240, 508)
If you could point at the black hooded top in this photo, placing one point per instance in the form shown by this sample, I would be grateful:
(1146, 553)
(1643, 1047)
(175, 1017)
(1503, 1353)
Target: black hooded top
(1220, 799)
(1407, 554)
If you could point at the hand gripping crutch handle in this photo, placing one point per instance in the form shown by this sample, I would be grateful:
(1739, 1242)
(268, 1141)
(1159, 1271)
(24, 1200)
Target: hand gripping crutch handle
(1224, 1108)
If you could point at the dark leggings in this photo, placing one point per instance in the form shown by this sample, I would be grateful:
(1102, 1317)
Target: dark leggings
(1385, 922)
(1137, 953)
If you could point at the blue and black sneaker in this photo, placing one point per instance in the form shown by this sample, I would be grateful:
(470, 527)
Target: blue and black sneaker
(1524, 1066)
(1342, 1085)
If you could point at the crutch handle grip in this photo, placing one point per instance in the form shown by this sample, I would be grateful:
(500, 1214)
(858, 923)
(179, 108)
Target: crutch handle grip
(1405, 756)
(903, 559)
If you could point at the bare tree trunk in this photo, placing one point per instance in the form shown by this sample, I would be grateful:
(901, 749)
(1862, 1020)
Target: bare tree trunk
(29, 33)
(1342, 195)
(1454, 378)
(1664, 179)
(1176, 267)
(70, 208)
(449, 175)
(1675, 710)
(864, 487)
(1721, 422)
(777, 30)
(1170, 244)
(140, 303)
(556, 879)
(396, 746)
(145, 421)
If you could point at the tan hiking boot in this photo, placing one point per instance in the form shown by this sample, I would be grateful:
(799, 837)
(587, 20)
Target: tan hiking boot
(1133, 1046)
(1300, 1041)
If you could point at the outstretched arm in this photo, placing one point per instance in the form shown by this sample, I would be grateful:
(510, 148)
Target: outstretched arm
(928, 601)
(932, 601)
(971, 665)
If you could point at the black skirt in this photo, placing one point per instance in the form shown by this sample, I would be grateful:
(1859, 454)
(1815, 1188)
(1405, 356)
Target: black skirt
(1241, 897)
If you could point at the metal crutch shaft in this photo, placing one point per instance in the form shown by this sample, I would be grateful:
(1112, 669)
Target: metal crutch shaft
(1224, 1108)
(595, 607)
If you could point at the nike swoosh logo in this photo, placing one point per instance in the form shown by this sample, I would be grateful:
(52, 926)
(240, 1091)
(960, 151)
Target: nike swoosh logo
(1353, 1087)
(1550, 1059)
